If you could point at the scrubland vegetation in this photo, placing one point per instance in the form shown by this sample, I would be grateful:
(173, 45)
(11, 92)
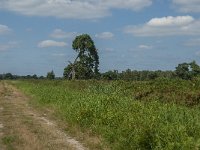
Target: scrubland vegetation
(158, 114)
(128, 109)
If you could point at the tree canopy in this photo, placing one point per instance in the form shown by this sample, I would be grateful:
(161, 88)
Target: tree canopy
(86, 63)
(50, 75)
(187, 70)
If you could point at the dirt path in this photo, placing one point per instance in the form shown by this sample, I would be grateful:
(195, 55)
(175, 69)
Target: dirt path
(23, 128)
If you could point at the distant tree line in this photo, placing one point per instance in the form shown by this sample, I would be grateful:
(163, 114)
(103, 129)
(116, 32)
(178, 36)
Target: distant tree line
(9, 76)
(135, 75)
(185, 71)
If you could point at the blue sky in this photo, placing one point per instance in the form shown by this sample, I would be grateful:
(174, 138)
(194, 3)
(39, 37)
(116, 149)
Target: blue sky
(36, 35)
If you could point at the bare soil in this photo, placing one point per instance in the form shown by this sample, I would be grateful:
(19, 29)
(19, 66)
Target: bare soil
(22, 127)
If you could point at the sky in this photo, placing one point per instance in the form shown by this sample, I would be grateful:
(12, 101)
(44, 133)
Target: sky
(36, 35)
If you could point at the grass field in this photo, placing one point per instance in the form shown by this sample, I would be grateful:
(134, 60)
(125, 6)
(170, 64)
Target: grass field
(160, 114)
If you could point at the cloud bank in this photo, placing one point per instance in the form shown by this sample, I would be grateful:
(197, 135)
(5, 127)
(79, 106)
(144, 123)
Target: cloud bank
(166, 26)
(60, 34)
(143, 46)
(51, 43)
(8, 46)
(193, 42)
(187, 5)
(4, 29)
(77, 9)
(105, 35)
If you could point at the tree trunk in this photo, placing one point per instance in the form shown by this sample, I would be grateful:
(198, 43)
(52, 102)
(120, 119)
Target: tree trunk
(73, 73)
(73, 67)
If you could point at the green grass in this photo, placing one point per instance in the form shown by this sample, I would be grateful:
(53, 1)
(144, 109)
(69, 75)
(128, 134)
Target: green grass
(160, 114)
(8, 141)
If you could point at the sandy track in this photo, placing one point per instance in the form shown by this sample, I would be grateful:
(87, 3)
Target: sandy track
(24, 128)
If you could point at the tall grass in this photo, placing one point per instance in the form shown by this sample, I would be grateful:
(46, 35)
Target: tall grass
(161, 114)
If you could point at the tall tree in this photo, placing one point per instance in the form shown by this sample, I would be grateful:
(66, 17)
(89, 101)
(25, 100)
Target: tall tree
(8, 76)
(183, 71)
(50, 75)
(86, 63)
(195, 68)
(187, 70)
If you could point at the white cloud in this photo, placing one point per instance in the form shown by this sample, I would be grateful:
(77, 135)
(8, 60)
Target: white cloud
(4, 47)
(171, 21)
(60, 34)
(187, 5)
(145, 46)
(79, 9)
(51, 43)
(4, 29)
(105, 35)
(128, 4)
(9, 45)
(166, 26)
(193, 42)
